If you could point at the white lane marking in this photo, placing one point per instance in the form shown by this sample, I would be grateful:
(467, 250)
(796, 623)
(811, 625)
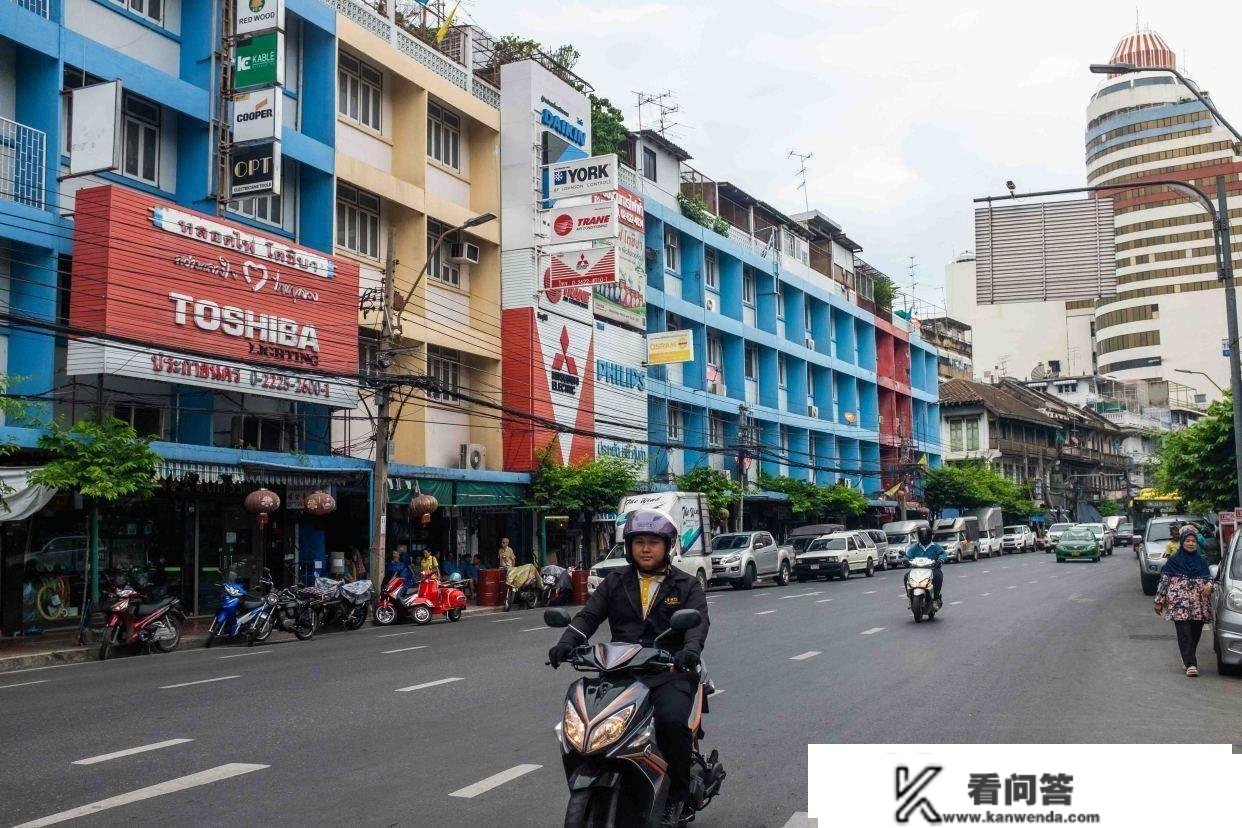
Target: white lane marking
(985, 595)
(427, 684)
(497, 621)
(408, 632)
(404, 649)
(192, 683)
(494, 781)
(718, 692)
(801, 819)
(986, 571)
(765, 612)
(869, 592)
(247, 653)
(95, 760)
(24, 684)
(805, 656)
(1032, 582)
(709, 603)
(799, 595)
(1004, 567)
(954, 603)
(872, 631)
(1011, 587)
(963, 576)
(182, 783)
(823, 600)
(1052, 576)
(533, 629)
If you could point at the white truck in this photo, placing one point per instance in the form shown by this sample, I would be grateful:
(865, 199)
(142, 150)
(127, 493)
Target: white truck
(739, 558)
(689, 511)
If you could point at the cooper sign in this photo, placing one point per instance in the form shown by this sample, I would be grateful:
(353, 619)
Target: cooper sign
(206, 303)
(585, 176)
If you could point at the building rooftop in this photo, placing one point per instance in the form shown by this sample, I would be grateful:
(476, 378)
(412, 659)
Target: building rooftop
(653, 137)
(1144, 49)
(998, 400)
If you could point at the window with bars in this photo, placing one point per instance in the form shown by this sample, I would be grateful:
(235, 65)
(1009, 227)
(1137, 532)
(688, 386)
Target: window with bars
(443, 135)
(147, 420)
(357, 220)
(672, 252)
(141, 155)
(444, 367)
(360, 91)
(440, 268)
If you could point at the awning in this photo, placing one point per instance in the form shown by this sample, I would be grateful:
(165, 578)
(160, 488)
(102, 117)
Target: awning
(204, 472)
(883, 504)
(766, 495)
(401, 490)
(275, 474)
(23, 498)
(461, 493)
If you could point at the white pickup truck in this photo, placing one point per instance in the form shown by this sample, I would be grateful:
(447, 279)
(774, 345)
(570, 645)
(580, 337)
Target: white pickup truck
(740, 558)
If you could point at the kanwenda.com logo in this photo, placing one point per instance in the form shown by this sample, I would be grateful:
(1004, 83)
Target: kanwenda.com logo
(1001, 818)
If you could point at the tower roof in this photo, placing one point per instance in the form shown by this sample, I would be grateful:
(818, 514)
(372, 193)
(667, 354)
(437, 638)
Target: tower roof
(1144, 49)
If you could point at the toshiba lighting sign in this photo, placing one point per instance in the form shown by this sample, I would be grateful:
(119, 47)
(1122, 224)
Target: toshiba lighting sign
(181, 297)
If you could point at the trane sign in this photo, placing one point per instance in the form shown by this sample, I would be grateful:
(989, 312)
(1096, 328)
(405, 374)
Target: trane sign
(584, 176)
(571, 133)
(583, 222)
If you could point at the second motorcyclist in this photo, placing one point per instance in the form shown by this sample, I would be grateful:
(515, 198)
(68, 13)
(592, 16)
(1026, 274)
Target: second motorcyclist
(638, 602)
(925, 548)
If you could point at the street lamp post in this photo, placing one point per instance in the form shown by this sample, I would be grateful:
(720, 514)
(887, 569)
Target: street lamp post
(1202, 374)
(1224, 251)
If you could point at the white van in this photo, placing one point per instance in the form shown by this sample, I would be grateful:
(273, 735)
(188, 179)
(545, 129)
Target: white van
(691, 554)
(902, 534)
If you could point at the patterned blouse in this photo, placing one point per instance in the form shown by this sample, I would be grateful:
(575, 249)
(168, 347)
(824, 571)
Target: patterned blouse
(1184, 598)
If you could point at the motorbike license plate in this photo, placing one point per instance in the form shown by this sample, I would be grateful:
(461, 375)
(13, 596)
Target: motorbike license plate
(1075, 554)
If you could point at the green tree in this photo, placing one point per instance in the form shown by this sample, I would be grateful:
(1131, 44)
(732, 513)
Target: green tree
(607, 126)
(1108, 508)
(969, 484)
(885, 290)
(842, 501)
(810, 502)
(103, 461)
(581, 490)
(1198, 462)
(721, 490)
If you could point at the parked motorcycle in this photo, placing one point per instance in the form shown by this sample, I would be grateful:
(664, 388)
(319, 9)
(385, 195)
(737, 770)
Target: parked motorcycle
(431, 599)
(237, 614)
(558, 586)
(524, 587)
(920, 588)
(289, 612)
(613, 765)
(156, 624)
(343, 604)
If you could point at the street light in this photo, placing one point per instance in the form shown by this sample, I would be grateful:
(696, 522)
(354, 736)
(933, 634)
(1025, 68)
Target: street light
(1200, 373)
(484, 218)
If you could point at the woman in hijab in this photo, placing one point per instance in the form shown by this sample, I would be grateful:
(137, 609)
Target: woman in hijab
(1185, 595)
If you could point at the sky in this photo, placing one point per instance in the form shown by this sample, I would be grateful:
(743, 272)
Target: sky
(909, 109)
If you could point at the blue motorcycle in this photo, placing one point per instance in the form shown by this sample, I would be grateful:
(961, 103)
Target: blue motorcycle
(238, 613)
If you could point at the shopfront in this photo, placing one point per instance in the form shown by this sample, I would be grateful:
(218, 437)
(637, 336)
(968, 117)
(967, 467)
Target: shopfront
(470, 518)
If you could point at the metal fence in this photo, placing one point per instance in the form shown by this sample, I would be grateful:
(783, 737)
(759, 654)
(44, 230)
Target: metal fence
(22, 161)
(39, 7)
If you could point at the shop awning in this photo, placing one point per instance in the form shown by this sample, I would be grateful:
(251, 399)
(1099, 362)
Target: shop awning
(274, 474)
(401, 490)
(462, 493)
(204, 472)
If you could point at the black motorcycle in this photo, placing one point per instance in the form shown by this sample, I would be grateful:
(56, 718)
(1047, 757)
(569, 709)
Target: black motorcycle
(614, 768)
(283, 610)
(558, 586)
(339, 604)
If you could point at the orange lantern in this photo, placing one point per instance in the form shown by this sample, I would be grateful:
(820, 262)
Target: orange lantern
(320, 503)
(262, 502)
(422, 506)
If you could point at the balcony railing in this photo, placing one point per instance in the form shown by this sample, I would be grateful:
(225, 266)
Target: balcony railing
(39, 7)
(22, 161)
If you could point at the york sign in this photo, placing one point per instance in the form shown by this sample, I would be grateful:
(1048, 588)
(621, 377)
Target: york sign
(584, 176)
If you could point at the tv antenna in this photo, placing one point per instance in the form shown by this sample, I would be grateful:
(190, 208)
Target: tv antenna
(663, 102)
(802, 157)
(914, 282)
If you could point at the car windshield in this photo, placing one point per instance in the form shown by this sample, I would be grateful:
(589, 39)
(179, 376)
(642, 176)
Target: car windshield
(1235, 568)
(1078, 533)
(1060, 527)
(944, 537)
(895, 540)
(730, 542)
(800, 544)
(1158, 530)
(617, 551)
(826, 544)
(1014, 530)
(1096, 529)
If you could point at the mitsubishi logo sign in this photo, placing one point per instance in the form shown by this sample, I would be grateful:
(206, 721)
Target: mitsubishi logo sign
(563, 377)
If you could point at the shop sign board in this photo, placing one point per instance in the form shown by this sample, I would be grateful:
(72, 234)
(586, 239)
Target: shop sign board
(258, 16)
(254, 169)
(580, 223)
(257, 115)
(624, 302)
(94, 144)
(580, 268)
(670, 347)
(259, 61)
(184, 297)
(582, 177)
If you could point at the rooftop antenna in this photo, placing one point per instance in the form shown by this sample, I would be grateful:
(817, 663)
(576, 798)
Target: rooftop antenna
(663, 102)
(914, 283)
(801, 173)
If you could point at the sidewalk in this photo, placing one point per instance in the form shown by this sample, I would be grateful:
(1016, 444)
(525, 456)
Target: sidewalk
(61, 647)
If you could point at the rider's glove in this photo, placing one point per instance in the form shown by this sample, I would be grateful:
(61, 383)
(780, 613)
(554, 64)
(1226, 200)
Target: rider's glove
(687, 659)
(561, 652)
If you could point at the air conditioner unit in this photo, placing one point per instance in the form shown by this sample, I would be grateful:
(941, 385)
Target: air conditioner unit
(716, 388)
(473, 456)
(710, 303)
(810, 343)
(463, 253)
(812, 411)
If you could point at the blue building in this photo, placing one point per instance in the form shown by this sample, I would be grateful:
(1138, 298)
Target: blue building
(787, 339)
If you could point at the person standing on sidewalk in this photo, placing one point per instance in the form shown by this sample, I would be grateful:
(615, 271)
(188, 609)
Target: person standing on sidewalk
(1185, 595)
(507, 558)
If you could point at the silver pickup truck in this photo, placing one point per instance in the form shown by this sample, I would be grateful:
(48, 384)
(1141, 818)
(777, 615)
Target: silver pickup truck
(740, 558)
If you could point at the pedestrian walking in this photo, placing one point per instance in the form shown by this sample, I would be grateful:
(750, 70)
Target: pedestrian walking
(1185, 595)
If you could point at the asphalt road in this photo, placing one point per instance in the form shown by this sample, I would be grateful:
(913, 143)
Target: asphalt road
(383, 726)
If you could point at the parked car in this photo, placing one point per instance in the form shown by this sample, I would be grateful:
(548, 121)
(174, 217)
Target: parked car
(990, 543)
(1153, 551)
(740, 558)
(800, 536)
(881, 547)
(901, 534)
(615, 558)
(957, 547)
(836, 556)
(1054, 533)
(1103, 536)
(1078, 543)
(1227, 611)
(1121, 528)
(1018, 538)
(991, 528)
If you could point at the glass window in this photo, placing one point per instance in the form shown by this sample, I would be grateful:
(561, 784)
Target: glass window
(672, 257)
(357, 220)
(675, 423)
(441, 269)
(443, 135)
(752, 362)
(715, 351)
(359, 91)
(715, 429)
(150, 9)
(780, 302)
(711, 272)
(146, 420)
(141, 158)
(748, 288)
(444, 367)
(649, 164)
(782, 377)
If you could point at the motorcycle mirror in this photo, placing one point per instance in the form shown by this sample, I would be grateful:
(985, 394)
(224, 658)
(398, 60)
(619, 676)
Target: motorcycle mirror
(556, 617)
(686, 619)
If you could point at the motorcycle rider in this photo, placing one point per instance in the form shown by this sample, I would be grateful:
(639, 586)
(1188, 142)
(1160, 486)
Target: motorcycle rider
(638, 602)
(924, 548)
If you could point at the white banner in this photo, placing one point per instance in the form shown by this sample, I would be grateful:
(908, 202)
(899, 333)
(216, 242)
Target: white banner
(597, 174)
(257, 114)
(584, 222)
(886, 785)
(258, 16)
(94, 144)
(580, 268)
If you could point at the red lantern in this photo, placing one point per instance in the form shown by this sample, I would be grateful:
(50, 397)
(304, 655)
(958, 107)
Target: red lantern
(262, 502)
(320, 503)
(422, 506)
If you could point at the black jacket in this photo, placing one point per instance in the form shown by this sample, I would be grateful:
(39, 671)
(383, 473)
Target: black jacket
(618, 601)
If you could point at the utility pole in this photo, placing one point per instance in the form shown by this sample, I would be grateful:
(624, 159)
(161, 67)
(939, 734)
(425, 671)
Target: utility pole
(1231, 321)
(383, 427)
(743, 441)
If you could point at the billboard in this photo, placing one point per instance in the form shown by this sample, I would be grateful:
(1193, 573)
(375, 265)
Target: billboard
(254, 169)
(258, 16)
(580, 268)
(1058, 250)
(582, 177)
(670, 347)
(259, 61)
(624, 302)
(94, 128)
(621, 395)
(257, 115)
(580, 223)
(181, 296)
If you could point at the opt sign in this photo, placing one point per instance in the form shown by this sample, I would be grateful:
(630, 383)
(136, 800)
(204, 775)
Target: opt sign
(585, 176)
(586, 222)
(579, 268)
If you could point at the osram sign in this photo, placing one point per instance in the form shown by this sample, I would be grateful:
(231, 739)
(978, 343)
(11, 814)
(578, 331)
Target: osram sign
(168, 281)
(586, 222)
(597, 174)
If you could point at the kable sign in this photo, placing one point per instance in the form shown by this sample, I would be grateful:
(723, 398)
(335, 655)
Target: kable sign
(597, 174)
(257, 115)
(586, 222)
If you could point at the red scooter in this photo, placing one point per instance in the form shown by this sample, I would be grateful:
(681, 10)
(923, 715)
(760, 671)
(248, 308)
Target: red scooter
(155, 625)
(431, 599)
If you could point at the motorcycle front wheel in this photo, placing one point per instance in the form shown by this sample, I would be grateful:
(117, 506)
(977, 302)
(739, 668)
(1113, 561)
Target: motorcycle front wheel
(304, 625)
(167, 645)
(384, 615)
(508, 600)
(590, 808)
(261, 630)
(356, 617)
(108, 643)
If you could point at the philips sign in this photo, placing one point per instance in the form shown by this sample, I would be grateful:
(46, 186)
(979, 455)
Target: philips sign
(571, 133)
(584, 176)
(620, 375)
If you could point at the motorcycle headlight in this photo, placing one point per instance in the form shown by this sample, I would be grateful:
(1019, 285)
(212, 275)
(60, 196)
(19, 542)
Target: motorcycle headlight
(609, 730)
(573, 727)
(1233, 599)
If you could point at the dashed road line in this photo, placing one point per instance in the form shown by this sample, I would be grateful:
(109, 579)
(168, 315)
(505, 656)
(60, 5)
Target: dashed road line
(427, 684)
(247, 653)
(954, 603)
(986, 571)
(805, 656)
(823, 600)
(872, 631)
(1032, 582)
(534, 629)
(869, 592)
(1011, 587)
(404, 649)
(202, 681)
(24, 684)
(498, 621)
(106, 757)
(494, 781)
(408, 632)
(799, 595)
(985, 595)
(765, 612)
